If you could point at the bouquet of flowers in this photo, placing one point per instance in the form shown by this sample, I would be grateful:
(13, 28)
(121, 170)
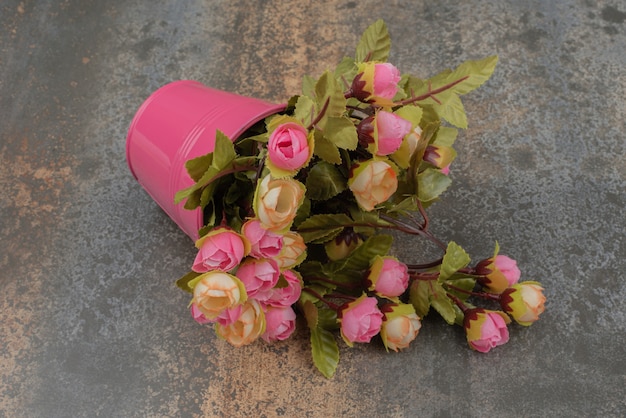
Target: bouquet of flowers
(295, 212)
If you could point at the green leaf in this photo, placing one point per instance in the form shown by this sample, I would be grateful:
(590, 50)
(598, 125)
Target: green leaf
(308, 86)
(452, 111)
(465, 283)
(442, 304)
(304, 110)
(346, 70)
(360, 258)
(411, 113)
(419, 296)
(324, 181)
(445, 136)
(431, 183)
(341, 132)
(184, 281)
(329, 96)
(319, 226)
(196, 167)
(375, 43)
(324, 351)
(365, 219)
(310, 313)
(325, 149)
(327, 318)
(477, 71)
(224, 152)
(454, 259)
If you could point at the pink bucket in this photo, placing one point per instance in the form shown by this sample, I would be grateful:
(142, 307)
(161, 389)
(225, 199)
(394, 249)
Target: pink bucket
(176, 123)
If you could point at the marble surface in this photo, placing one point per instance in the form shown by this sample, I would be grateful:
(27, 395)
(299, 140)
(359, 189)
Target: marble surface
(91, 322)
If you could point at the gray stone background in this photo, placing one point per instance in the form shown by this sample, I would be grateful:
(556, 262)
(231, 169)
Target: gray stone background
(91, 322)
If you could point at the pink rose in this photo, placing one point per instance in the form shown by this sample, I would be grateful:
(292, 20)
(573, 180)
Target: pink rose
(524, 302)
(376, 83)
(446, 170)
(486, 329)
(508, 267)
(382, 133)
(372, 182)
(258, 275)
(288, 146)
(286, 292)
(360, 320)
(388, 277)
(391, 129)
(263, 243)
(221, 249)
(497, 273)
(400, 326)
(279, 323)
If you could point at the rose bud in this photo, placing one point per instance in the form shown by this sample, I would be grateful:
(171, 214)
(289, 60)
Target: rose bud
(293, 251)
(280, 323)
(276, 202)
(376, 83)
(258, 275)
(372, 182)
(524, 302)
(221, 249)
(388, 277)
(216, 291)
(286, 292)
(343, 244)
(263, 243)
(400, 325)
(497, 273)
(439, 156)
(249, 326)
(390, 129)
(486, 329)
(360, 320)
(289, 147)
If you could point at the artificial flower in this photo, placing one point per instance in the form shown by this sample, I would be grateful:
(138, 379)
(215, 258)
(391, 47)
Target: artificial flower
(277, 201)
(360, 320)
(400, 326)
(486, 329)
(216, 291)
(280, 323)
(372, 182)
(221, 249)
(249, 325)
(524, 302)
(388, 277)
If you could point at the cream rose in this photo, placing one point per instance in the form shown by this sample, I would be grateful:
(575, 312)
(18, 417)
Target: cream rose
(216, 291)
(372, 182)
(248, 327)
(277, 201)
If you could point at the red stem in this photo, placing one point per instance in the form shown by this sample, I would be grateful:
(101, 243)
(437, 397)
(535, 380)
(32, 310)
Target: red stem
(431, 93)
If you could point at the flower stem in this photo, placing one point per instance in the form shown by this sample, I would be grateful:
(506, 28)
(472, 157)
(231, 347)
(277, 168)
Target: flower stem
(431, 93)
(458, 302)
(483, 295)
(331, 305)
(319, 115)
